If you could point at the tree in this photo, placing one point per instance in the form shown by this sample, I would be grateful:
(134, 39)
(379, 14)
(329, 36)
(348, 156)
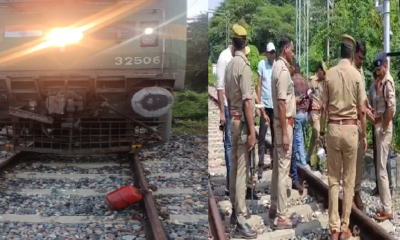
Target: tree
(197, 48)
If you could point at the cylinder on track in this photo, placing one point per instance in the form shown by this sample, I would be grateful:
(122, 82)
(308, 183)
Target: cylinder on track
(152, 102)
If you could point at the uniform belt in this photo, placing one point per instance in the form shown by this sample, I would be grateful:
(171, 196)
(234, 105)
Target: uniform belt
(301, 111)
(378, 120)
(235, 112)
(343, 122)
(290, 120)
(236, 117)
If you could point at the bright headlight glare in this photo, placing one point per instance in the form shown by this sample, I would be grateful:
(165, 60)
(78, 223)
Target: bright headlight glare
(148, 30)
(64, 36)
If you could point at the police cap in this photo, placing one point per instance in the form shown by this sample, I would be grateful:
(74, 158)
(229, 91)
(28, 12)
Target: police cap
(380, 59)
(239, 31)
(348, 41)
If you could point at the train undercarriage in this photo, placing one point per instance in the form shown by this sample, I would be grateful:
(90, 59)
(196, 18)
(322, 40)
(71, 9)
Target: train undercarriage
(81, 115)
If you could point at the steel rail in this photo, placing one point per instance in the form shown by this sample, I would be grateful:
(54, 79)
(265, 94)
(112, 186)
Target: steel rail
(215, 224)
(154, 225)
(369, 230)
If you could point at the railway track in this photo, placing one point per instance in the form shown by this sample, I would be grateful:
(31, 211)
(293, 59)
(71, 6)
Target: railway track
(308, 210)
(62, 197)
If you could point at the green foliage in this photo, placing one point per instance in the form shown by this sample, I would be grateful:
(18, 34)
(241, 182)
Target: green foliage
(191, 104)
(197, 47)
(273, 22)
(269, 20)
(190, 128)
(211, 78)
(254, 57)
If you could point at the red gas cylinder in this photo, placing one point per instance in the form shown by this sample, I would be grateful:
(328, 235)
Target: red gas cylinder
(122, 197)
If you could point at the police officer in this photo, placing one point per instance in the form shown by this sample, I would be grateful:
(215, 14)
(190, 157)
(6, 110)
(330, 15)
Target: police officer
(359, 56)
(383, 100)
(284, 104)
(343, 101)
(239, 89)
(316, 85)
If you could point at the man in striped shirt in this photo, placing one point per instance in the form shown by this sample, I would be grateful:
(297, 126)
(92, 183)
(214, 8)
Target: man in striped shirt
(302, 93)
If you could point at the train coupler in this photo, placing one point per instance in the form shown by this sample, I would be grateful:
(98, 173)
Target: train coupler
(10, 148)
(136, 147)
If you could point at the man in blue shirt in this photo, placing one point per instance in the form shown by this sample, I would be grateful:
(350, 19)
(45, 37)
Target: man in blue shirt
(265, 98)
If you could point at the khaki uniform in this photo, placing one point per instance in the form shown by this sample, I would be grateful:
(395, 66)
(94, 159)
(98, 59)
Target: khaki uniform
(380, 101)
(360, 150)
(343, 92)
(318, 86)
(283, 89)
(239, 86)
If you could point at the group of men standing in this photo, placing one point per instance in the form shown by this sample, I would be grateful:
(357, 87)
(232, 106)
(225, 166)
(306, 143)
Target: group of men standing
(288, 101)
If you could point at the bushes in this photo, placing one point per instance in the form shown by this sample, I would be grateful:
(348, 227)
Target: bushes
(190, 104)
(211, 78)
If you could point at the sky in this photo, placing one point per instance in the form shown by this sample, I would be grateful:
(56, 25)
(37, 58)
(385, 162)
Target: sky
(195, 7)
(213, 4)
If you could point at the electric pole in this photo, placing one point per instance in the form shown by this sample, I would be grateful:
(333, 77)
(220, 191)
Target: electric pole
(384, 9)
(302, 33)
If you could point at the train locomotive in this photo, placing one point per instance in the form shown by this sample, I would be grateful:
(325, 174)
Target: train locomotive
(89, 76)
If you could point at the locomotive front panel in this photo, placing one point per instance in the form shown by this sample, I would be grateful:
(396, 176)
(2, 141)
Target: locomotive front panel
(90, 75)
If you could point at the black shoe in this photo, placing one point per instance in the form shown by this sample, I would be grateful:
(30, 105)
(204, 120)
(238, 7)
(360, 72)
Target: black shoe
(375, 192)
(248, 195)
(260, 171)
(358, 201)
(226, 191)
(297, 186)
(233, 221)
(244, 231)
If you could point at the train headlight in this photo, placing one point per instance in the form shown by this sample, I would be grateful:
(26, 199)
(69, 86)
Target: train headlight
(149, 36)
(148, 30)
(64, 36)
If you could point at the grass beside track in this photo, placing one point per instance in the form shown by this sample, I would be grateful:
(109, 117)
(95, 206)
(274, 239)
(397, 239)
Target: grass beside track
(190, 127)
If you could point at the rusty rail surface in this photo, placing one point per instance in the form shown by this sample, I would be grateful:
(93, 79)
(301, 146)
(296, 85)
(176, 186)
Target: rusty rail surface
(216, 227)
(369, 230)
(155, 229)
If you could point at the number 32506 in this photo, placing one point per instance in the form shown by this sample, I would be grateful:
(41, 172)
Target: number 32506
(137, 60)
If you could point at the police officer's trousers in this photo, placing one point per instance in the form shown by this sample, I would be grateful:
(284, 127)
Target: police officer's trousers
(360, 162)
(382, 146)
(342, 144)
(315, 116)
(280, 172)
(240, 173)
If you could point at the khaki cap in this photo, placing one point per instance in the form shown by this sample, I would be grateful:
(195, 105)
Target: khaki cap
(348, 41)
(247, 50)
(239, 31)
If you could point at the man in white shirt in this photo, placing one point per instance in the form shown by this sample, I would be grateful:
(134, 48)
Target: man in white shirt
(265, 97)
(224, 58)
